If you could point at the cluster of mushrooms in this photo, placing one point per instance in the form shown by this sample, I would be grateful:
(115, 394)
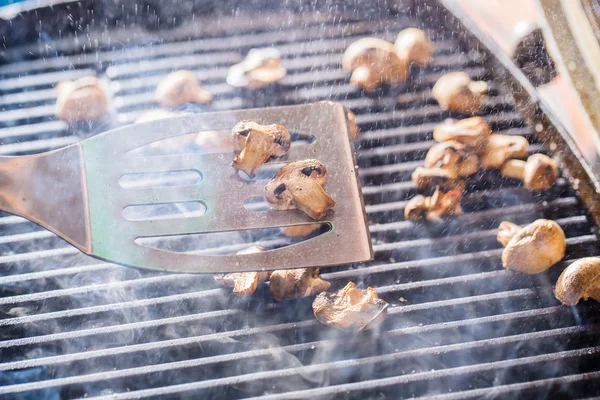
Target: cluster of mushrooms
(297, 185)
(87, 99)
(374, 62)
(465, 147)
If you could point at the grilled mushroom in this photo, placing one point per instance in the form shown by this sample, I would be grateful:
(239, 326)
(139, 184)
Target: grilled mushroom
(374, 62)
(428, 179)
(413, 44)
(580, 280)
(290, 284)
(85, 99)
(258, 143)
(181, 87)
(261, 67)
(453, 157)
(456, 91)
(243, 283)
(534, 248)
(500, 148)
(434, 207)
(472, 132)
(538, 173)
(299, 185)
(299, 230)
(350, 308)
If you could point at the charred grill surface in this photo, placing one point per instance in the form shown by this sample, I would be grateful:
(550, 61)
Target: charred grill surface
(458, 325)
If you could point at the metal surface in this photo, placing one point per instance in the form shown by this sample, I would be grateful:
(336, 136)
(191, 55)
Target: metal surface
(75, 193)
(458, 325)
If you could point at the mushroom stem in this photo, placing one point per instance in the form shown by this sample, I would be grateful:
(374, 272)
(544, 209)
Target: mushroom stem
(506, 231)
(363, 77)
(594, 292)
(313, 200)
(514, 169)
(255, 153)
(478, 87)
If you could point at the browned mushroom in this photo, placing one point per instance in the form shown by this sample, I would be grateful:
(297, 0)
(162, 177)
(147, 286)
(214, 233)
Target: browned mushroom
(299, 230)
(431, 208)
(580, 280)
(453, 157)
(85, 99)
(456, 91)
(428, 179)
(350, 308)
(299, 185)
(258, 143)
(181, 87)
(260, 68)
(538, 173)
(352, 124)
(243, 283)
(290, 284)
(472, 132)
(500, 148)
(374, 62)
(534, 248)
(413, 44)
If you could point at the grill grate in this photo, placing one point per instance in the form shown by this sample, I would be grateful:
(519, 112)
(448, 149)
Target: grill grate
(459, 326)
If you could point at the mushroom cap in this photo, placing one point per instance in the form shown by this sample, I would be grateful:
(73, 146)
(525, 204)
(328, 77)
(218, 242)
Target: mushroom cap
(540, 172)
(456, 91)
(577, 281)
(181, 87)
(260, 68)
(299, 185)
(350, 308)
(428, 179)
(83, 99)
(372, 62)
(535, 248)
(414, 45)
(416, 208)
(290, 284)
(500, 148)
(444, 204)
(453, 157)
(472, 132)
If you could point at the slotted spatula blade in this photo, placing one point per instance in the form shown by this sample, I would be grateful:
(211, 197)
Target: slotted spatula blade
(75, 193)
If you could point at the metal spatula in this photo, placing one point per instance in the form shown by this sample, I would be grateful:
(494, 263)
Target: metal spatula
(75, 193)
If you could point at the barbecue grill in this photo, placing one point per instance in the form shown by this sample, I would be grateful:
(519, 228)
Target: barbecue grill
(458, 326)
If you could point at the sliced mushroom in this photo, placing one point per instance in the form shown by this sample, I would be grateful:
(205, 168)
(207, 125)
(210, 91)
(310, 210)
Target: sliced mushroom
(413, 44)
(431, 208)
(538, 173)
(350, 308)
(258, 143)
(534, 248)
(243, 283)
(374, 62)
(456, 91)
(453, 157)
(85, 99)
(299, 230)
(181, 87)
(428, 179)
(290, 284)
(472, 132)
(260, 68)
(500, 148)
(352, 124)
(299, 185)
(580, 280)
